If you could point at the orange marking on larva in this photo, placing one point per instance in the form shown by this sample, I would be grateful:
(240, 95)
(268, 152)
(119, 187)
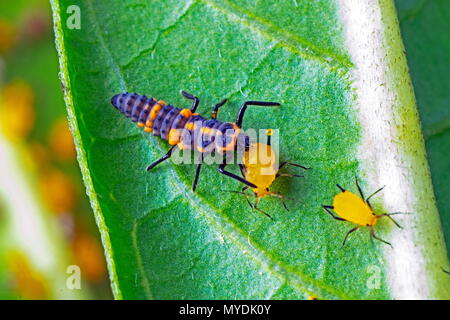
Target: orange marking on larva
(186, 113)
(162, 103)
(228, 147)
(174, 136)
(190, 126)
(206, 130)
(149, 123)
(147, 129)
(155, 111)
(181, 146)
(140, 124)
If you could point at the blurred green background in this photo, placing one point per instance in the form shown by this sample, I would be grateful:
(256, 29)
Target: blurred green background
(42, 197)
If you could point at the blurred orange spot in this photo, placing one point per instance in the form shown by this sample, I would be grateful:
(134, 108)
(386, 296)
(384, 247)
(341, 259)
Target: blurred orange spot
(39, 154)
(57, 190)
(7, 36)
(17, 109)
(61, 141)
(28, 282)
(88, 255)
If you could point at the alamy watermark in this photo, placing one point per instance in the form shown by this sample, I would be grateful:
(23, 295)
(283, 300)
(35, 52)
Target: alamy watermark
(73, 281)
(74, 19)
(374, 280)
(234, 146)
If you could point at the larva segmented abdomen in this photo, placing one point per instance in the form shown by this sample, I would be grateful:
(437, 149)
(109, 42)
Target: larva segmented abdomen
(177, 126)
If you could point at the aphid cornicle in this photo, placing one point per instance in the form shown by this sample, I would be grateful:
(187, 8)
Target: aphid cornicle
(178, 127)
(259, 166)
(358, 210)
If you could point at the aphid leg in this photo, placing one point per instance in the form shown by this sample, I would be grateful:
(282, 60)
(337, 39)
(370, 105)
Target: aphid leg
(191, 97)
(284, 163)
(389, 216)
(342, 189)
(359, 189)
(348, 233)
(374, 236)
(368, 198)
(245, 195)
(232, 175)
(197, 172)
(281, 197)
(447, 272)
(165, 157)
(288, 175)
(327, 209)
(244, 106)
(255, 206)
(216, 108)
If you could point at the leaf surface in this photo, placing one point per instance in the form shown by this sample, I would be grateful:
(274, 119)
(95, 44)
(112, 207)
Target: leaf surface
(165, 242)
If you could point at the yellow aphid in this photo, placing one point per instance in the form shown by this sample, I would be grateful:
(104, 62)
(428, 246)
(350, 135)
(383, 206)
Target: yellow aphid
(260, 168)
(353, 208)
(357, 210)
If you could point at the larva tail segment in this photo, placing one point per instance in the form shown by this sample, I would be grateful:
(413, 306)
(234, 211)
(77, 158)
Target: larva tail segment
(153, 116)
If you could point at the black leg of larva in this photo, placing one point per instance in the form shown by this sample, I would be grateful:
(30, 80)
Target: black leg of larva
(216, 108)
(348, 233)
(244, 106)
(284, 204)
(374, 236)
(165, 157)
(284, 163)
(255, 206)
(447, 272)
(197, 173)
(232, 175)
(191, 97)
(327, 209)
(342, 189)
(242, 168)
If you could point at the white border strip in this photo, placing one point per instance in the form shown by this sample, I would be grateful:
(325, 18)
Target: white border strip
(384, 96)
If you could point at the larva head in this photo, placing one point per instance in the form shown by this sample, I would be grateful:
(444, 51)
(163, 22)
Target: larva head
(260, 167)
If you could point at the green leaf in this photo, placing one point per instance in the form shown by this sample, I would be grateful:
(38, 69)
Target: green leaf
(427, 58)
(164, 242)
